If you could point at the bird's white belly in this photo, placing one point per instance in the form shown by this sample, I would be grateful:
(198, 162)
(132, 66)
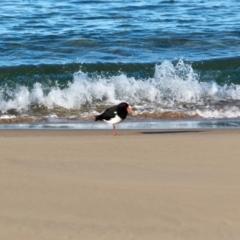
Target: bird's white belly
(114, 120)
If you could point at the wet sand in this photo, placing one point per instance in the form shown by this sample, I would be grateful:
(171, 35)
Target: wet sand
(76, 184)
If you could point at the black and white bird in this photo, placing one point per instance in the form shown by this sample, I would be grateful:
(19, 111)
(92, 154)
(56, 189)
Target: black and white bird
(115, 114)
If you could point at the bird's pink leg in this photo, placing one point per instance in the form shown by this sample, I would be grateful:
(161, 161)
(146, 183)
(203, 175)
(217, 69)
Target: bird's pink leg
(114, 130)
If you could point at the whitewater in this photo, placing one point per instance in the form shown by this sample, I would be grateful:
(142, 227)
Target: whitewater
(175, 91)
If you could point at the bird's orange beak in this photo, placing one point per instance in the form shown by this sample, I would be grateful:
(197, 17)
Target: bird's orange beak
(131, 111)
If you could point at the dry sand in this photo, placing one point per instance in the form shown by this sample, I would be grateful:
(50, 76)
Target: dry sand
(65, 184)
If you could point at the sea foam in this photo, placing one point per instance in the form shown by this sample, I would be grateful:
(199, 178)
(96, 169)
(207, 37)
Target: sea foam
(172, 88)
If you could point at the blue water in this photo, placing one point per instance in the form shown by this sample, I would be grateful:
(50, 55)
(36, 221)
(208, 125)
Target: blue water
(59, 32)
(68, 60)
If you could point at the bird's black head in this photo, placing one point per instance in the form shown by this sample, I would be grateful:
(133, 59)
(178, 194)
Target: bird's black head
(123, 105)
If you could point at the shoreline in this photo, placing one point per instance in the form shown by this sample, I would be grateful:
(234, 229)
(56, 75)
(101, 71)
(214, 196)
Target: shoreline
(142, 184)
(131, 124)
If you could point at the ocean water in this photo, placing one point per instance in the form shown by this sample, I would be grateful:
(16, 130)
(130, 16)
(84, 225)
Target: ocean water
(172, 60)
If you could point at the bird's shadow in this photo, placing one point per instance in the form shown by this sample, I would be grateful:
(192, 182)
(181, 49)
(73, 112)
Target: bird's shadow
(172, 132)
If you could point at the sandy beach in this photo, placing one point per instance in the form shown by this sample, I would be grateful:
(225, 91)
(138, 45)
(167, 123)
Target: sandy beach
(77, 184)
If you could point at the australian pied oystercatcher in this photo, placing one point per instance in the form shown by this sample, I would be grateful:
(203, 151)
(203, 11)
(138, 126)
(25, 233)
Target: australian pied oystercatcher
(115, 114)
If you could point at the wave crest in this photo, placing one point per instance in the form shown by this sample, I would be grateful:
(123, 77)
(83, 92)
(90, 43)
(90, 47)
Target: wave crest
(172, 88)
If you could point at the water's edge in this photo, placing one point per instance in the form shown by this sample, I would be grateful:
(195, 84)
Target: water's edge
(137, 125)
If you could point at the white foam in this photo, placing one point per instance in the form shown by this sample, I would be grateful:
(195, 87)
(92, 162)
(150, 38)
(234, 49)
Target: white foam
(225, 112)
(173, 87)
(7, 117)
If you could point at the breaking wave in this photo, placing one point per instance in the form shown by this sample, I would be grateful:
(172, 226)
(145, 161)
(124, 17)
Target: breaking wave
(174, 90)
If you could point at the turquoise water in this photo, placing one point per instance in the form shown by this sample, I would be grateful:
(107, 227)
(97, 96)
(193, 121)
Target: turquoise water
(68, 60)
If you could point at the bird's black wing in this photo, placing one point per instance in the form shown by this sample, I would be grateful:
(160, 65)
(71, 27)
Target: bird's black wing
(107, 114)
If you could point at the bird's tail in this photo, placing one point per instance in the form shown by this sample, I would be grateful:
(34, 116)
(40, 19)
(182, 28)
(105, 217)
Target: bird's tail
(97, 118)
